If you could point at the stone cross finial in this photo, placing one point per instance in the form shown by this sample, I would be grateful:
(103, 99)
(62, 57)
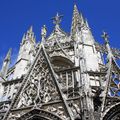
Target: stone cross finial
(105, 37)
(57, 19)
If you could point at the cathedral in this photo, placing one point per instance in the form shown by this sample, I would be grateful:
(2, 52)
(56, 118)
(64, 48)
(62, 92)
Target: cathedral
(61, 77)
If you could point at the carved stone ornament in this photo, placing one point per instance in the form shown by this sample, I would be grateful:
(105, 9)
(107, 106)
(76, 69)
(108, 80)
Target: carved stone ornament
(40, 87)
(37, 114)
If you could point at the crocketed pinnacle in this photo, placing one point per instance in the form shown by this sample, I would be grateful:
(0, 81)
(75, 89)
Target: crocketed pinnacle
(77, 21)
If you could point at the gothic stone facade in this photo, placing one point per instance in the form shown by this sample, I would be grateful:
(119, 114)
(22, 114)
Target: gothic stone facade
(63, 77)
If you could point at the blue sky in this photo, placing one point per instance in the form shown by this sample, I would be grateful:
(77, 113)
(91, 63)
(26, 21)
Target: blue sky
(16, 16)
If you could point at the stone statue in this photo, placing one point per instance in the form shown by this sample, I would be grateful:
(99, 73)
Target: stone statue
(44, 31)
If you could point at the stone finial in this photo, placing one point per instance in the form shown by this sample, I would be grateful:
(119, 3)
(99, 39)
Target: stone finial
(31, 28)
(43, 31)
(57, 19)
(30, 32)
(29, 35)
(86, 23)
(8, 56)
(105, 36)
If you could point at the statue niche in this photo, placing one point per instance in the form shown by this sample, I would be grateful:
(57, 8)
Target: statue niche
(61, 63)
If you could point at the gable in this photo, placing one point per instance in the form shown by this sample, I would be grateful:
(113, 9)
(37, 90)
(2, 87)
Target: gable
(38, 90)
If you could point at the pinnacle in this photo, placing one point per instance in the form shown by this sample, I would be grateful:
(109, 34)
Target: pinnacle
(8, 56)
(30, 34)
(77, 20)
(76, 14)
(76, 9)
(23, 36)
(86, 22)
(31, 28)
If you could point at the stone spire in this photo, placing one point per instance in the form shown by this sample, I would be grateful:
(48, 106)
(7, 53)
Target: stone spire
(28, 43)
(6, 64)
(26, 53)
(30, 30)
(8, 56)
(77, 21)
(29, 36)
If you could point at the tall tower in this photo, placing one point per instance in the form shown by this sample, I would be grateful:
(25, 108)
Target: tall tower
(85, 55)
(85, 43)
(26, 53)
